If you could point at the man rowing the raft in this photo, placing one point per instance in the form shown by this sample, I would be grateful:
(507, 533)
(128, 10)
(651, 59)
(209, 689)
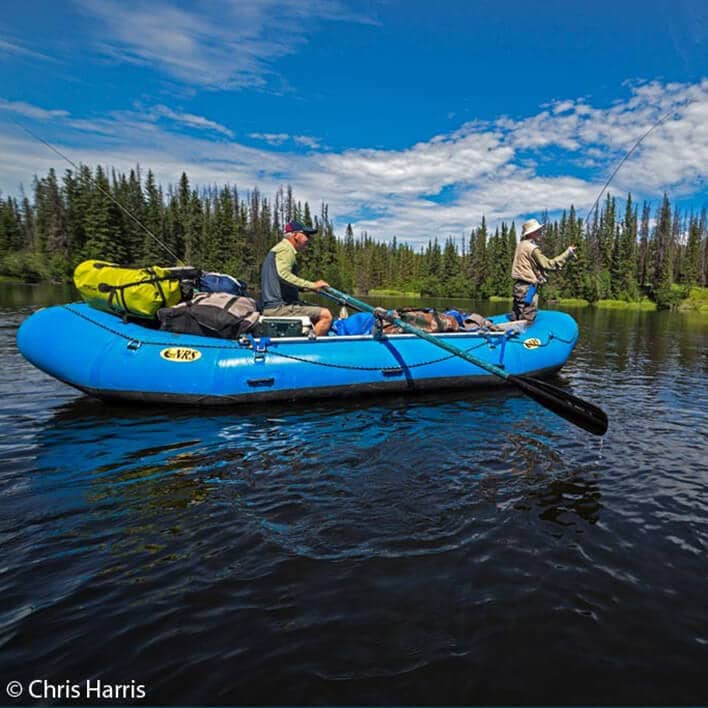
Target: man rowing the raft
(280, 284)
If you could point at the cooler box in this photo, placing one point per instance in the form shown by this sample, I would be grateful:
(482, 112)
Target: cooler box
(285, 326)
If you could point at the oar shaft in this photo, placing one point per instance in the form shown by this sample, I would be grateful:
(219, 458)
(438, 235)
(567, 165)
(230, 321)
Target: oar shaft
(411, 329)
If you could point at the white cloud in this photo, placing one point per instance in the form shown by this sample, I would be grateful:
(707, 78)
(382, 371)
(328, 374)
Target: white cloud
(234, 50)
(508, 169)
(270, 138)
(22, 158)
(14, 48)
(562, 107)
(276, 139)
(192, 120)
(307, 141)
(27, 110)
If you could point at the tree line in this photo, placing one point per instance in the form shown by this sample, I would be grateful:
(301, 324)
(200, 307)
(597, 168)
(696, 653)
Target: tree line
(620, 255)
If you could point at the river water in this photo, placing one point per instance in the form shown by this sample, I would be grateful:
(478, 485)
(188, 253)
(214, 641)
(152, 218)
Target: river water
(443, 549)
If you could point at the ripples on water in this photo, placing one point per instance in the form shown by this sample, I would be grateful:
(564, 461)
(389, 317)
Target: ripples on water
(457, 548)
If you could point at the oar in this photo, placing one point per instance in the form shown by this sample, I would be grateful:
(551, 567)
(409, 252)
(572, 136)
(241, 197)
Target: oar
(581, 413)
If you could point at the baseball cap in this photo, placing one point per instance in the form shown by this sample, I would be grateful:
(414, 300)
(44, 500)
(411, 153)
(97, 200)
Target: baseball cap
(295, 226)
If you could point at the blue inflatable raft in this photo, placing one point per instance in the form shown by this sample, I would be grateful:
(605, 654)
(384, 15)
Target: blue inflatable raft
(98, 353)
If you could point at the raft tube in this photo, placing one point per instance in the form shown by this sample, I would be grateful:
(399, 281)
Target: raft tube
(101, 355)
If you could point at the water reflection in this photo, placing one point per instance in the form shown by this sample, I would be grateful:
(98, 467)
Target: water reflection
(560, 500)
(370, 454)
(650, 342)
(21, 295)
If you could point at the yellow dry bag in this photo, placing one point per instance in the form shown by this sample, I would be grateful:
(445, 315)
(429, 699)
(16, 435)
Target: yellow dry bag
(139, 292)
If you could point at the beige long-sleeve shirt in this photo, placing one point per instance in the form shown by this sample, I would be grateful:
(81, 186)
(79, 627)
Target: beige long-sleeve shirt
(531, 265)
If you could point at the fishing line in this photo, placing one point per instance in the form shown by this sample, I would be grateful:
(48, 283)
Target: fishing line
(627, 155)
(668, 113)
(100, 189)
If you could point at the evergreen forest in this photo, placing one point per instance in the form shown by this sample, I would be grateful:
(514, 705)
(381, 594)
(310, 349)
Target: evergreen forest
(622, 254)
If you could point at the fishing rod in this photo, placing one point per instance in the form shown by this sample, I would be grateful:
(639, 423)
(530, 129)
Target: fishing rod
(124, 209)
(627, 155)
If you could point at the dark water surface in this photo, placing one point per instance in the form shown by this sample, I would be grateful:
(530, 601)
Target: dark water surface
(446, 549)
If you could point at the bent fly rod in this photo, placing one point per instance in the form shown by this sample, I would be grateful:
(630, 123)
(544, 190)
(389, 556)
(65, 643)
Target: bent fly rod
(627, 155)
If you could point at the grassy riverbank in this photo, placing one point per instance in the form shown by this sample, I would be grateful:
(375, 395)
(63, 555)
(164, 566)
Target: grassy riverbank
(693, 299)
(382, 292)
(643, 305)
(572, 302)
(697, 301)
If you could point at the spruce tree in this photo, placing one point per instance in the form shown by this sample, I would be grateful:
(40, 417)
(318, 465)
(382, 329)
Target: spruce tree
(692, 262)
(345, 260)
(10, 226)
(644, 257)
(663, 266)
(703, 230)
(478, 259)
(4, 240)
(195, 230)
(28, 234)
(511, 248)
(624, 263)
(433, 259)
(289, 205)
(329, 266)
(451, 272)
(675, 246)
(491, 285)
(226, 256)
(605, 245)
(579, 276)
(76, 201)
(152, 251)
(50, 218)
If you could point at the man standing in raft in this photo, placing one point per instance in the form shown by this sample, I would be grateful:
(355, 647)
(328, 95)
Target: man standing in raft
(529, 269)
(280, 284)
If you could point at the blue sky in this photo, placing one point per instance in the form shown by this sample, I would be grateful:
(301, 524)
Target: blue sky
(411, 119)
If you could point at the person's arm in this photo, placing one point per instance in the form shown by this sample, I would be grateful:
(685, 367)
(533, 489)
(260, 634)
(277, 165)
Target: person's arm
(284, 262)
(551, 263)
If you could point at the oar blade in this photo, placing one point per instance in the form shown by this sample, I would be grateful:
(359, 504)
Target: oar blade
(575, 410)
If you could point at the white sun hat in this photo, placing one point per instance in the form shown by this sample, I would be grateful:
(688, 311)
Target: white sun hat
(531, 227)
